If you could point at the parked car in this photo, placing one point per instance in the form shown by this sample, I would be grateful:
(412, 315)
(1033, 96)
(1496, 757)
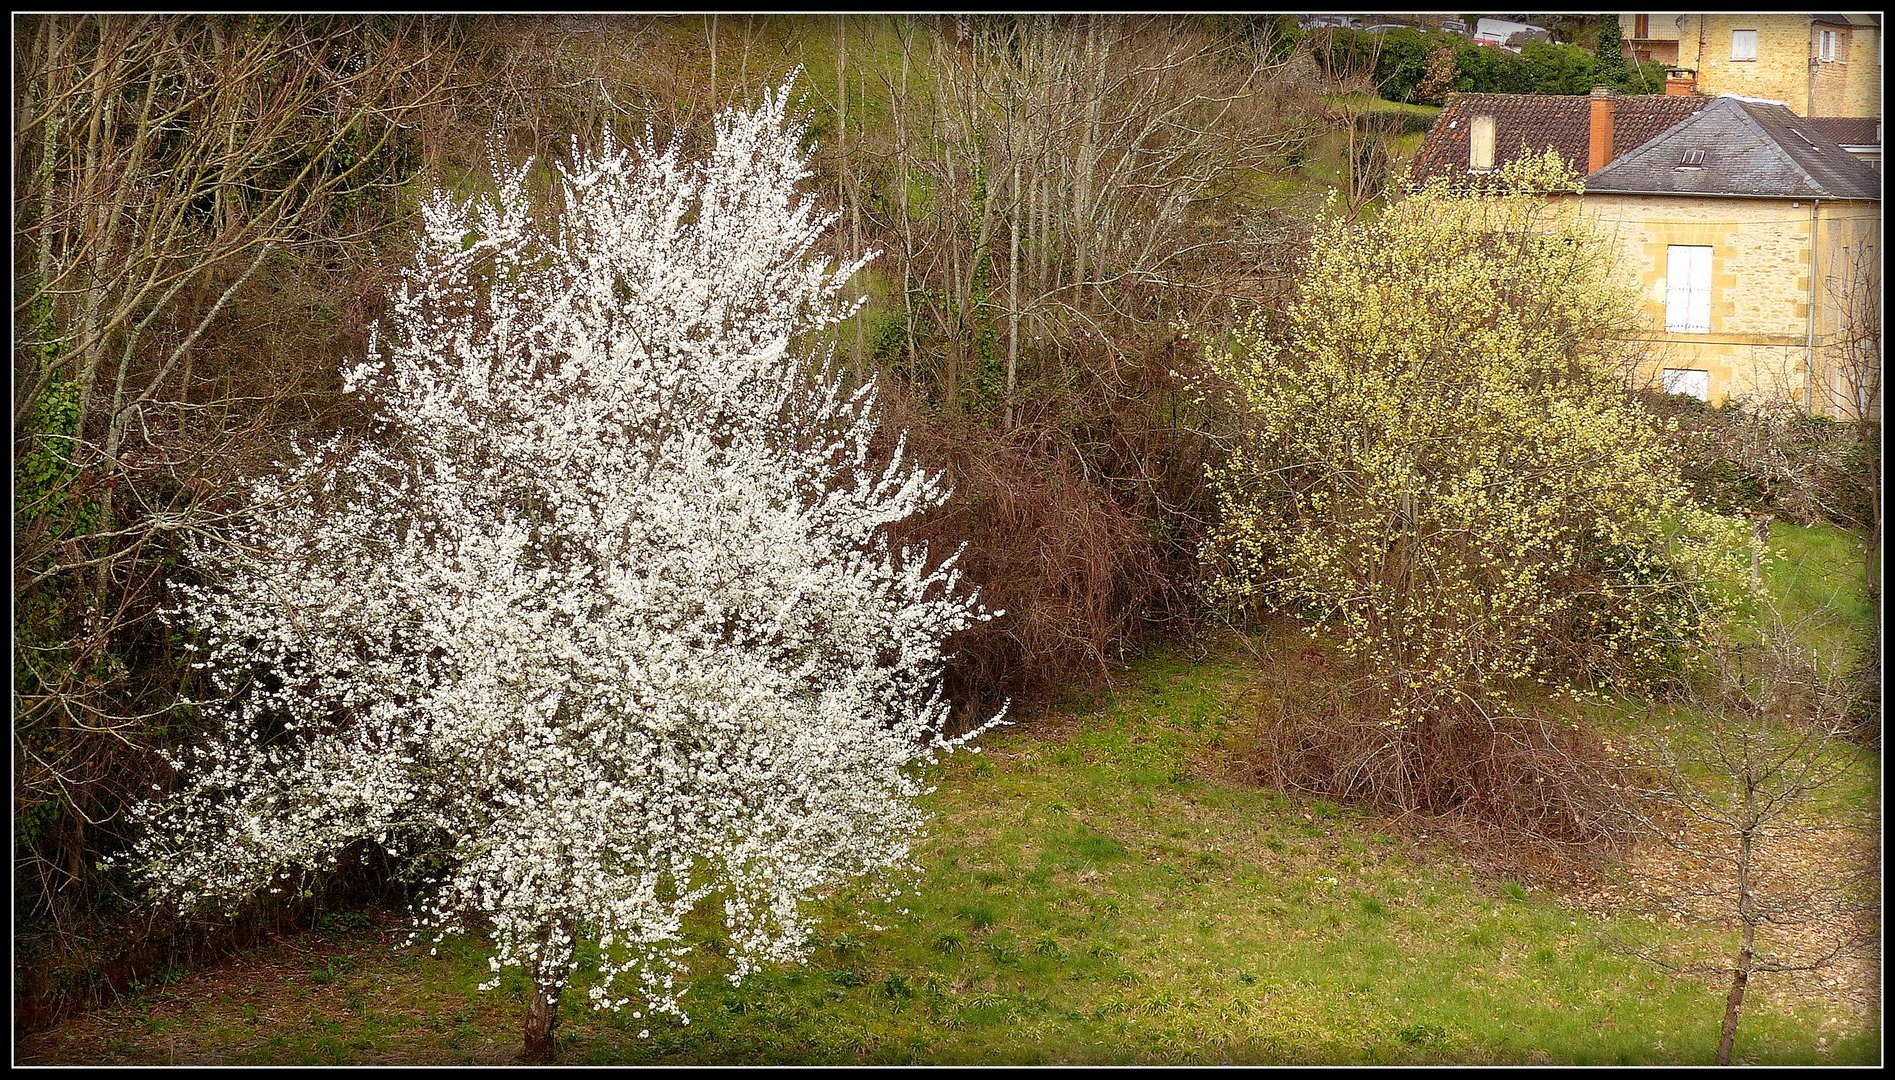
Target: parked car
(1382, 28)
(1454, 26)
(1340, 21)
(1508, 35)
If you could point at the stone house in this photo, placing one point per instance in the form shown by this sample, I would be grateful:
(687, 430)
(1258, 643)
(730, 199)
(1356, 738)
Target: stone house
(1815, 65)
(1749, 233)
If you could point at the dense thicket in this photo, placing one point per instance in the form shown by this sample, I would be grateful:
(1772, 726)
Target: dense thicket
(1757, 458)
(202, 211)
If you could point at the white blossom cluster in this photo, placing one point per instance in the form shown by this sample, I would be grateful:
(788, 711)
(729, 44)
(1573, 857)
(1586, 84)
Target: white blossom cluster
(601, 620)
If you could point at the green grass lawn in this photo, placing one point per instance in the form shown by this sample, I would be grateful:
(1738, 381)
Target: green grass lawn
(1096, 888)
(1814, 573)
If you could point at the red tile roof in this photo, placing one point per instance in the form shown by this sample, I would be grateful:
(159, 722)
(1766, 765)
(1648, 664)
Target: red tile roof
(1535, 122)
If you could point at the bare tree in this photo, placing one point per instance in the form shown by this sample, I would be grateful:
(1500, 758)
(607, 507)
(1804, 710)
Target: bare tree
(1366, 132)
(1080, 159)
(164, 167)
(1743, 787)
(176, 154)
(1855, 392)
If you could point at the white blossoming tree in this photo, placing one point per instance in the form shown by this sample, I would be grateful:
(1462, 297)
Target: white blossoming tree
(600, 622)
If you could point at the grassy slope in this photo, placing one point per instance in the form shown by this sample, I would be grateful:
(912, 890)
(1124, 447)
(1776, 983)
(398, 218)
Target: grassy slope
(1093, 892)
(1815, 574)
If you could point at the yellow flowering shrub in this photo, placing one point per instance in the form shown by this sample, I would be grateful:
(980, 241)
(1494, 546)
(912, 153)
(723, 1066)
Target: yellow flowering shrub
(1436, 458)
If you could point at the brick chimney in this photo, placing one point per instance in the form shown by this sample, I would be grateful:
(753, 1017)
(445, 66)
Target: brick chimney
(1599, 145)
(1679, 82)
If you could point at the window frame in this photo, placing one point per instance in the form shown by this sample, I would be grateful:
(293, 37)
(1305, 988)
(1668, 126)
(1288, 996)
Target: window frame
(1750, 41)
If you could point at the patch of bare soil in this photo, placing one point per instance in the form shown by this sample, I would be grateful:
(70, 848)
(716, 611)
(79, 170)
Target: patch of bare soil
(1825, 883)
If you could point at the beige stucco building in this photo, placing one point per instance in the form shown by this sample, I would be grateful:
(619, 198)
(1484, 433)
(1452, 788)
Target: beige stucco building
(1816, 65)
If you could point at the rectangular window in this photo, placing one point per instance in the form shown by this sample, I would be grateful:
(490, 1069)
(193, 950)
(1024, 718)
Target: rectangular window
(1641, 27)
(1828, 49)
(1688, 289)
(1686, 381)
(1743, 44)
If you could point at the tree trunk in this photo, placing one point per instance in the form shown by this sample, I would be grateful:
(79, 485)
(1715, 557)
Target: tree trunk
(901, 196)
(954, 316)
(542, 1018)
(855, 246)
(1871, 576)
(1746, 912)
(1013, 258)
(1088, 142)
(842, 175)
(1734, 1003)
(48, 164)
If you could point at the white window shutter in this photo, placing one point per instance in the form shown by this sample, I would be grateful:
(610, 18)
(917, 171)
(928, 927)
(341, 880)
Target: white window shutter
(1677, 288)
(1701, 289)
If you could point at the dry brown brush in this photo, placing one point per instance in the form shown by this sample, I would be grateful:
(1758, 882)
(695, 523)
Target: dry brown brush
(1075, 570)
(1530, 786)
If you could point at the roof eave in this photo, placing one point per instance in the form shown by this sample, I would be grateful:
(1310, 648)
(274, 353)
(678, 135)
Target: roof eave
(1823, 195)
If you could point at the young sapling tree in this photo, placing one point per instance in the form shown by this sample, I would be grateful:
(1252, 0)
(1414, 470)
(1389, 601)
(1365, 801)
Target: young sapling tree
(1758, 778)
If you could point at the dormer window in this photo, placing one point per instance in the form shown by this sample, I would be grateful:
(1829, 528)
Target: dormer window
(1693, 159)
(1480, 145)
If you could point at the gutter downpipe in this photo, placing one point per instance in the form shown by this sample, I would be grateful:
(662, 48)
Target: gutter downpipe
(1809, 102)
(1809, 357)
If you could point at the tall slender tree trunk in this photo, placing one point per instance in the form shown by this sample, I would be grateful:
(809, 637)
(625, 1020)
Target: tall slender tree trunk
(842, 172)
(49, 156)
(98, 136)
(1747, 914)
(1088, 142)
(1013, 258)
(842, 110)
(901, 196)
(1871, 575)
(855, 249)
(710, 32)
(954, 317)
